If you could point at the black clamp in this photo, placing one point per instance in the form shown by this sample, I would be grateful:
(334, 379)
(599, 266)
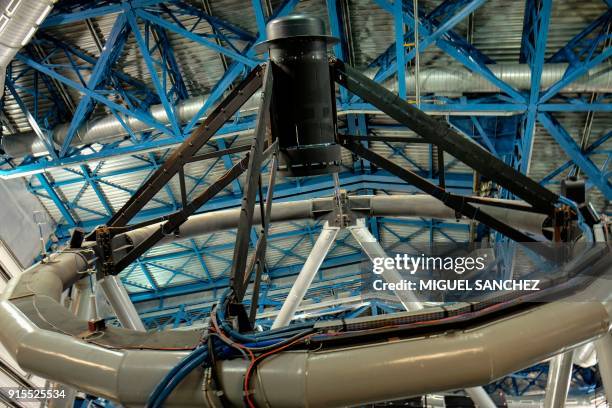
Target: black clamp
(104, 240)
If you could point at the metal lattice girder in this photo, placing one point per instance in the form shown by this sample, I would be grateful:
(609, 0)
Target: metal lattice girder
(444, 137)
(457, 48)
(239, 277)
(454, 12)
(533, 49)
(109, 55)
(584, 40)
(115, 76)
(591, 149)
(250, 62)
(189, 148)
(47, 70)
(31, 119)
(599, 177)
(130, 16)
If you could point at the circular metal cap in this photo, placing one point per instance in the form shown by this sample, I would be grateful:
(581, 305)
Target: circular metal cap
(295, 25)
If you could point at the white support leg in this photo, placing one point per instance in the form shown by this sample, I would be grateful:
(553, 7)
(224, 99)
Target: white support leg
(603, 347)
(559, 375)
(480, 397)
(121, 303)
(374, 250)
(309, 270)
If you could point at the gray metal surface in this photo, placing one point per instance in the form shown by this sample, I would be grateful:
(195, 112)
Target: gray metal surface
(307, 274)
(604, 358)
(121, 303)
(559, 377)
(451, 360)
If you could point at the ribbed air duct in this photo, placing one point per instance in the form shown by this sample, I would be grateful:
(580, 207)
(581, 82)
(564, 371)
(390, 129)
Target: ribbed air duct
(440, 81)
(18, 22)
(453, 81)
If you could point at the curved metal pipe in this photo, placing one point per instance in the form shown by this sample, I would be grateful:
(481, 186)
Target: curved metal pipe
(379, 372)
(370, 372)
(19, 20)
(418, 205)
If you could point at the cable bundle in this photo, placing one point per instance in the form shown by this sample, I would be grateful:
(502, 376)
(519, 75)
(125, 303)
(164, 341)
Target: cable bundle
(229, 345)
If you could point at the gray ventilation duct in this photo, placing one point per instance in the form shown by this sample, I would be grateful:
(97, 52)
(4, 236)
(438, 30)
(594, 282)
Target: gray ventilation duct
(452, 81)
(18, 22)
(34, 334)
(442, 81)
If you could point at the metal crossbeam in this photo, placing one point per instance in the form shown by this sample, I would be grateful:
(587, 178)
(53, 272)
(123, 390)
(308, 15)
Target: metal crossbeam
(455, 202)
(533, 49)
(238, 276)
(440, 134)
(596, 176)
(189, 148)
(108, 56)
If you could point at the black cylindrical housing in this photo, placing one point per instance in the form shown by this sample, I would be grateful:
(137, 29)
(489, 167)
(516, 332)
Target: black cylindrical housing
(302, 110)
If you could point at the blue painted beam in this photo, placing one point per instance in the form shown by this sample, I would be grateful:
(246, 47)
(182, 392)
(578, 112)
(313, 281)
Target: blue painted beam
(566, 53)
(237, 68)
(172, 66)
(223, 282)
(109, 55)
(571, 148)
(575, 71)
(537, 20)
(213, 21)
(400, 52)
(32, 121)
(250, 62)
(146, 118)
(93, 9)
(456, 50)
(87, 174)
(59, 203)
(589, 150)
(159, 87)
(439, 33)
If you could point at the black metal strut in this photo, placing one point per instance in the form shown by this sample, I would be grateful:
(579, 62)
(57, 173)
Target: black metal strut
(447, 139)
(186, 152)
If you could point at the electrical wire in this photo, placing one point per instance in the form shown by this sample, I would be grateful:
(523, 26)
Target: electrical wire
(260, 358)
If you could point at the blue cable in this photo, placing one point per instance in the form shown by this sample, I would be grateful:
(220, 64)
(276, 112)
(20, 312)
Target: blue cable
(173, 372)
(184, 371)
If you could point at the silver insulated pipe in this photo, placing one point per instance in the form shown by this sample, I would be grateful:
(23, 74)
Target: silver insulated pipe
(441, 81)
(125, 365)
(35, 331)
(18, 22)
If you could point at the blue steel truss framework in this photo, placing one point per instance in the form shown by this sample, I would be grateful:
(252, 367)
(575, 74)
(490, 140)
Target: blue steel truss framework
(504, 122)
